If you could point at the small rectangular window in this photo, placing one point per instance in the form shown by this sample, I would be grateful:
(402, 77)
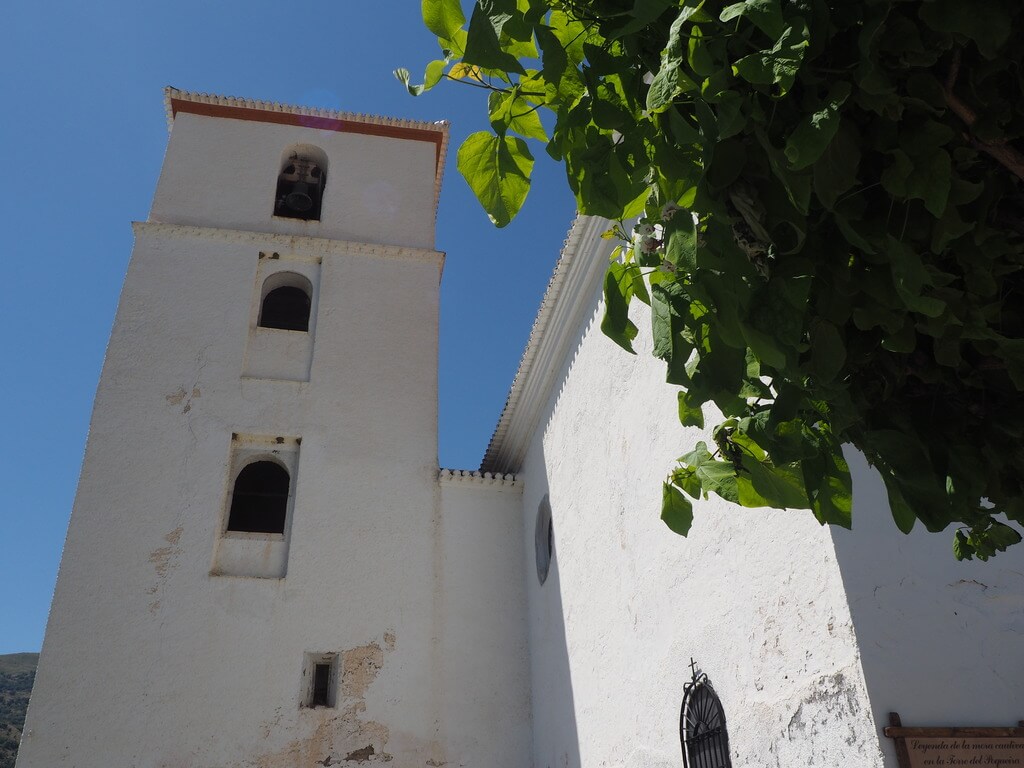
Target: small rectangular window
(321, 685)
(320, 680)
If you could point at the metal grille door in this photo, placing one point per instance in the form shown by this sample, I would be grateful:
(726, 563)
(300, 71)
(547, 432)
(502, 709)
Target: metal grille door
(702, 726)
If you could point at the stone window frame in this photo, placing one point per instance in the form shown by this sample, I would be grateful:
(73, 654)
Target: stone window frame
(310, 662)
(249, 449)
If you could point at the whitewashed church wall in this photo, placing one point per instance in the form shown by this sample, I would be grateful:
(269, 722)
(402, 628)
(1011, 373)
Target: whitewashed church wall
(223, 173)
(942, 642)
(753, 596)
(151, 661)
(483, 644)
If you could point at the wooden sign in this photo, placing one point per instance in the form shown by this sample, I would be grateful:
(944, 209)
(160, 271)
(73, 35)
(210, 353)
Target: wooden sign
(949, 747)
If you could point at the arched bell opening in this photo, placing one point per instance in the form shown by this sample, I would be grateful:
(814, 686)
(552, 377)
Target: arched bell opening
(300, 183)
(259, 499)
(285, 302)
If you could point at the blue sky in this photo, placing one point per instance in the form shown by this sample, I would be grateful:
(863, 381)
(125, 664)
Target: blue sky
(82, 136)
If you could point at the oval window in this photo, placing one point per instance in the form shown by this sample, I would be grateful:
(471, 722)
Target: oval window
(544, 539)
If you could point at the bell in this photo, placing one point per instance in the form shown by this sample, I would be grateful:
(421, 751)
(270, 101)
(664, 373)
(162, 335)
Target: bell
(298, 199)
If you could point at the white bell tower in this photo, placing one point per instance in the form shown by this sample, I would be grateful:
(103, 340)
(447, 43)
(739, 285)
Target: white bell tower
(251, 573)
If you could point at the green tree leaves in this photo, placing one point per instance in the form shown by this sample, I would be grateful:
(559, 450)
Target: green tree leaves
(671, 80)
(508, 112)
(498, 170)
(777, 66)
(618, 291)
(444, 18)
(676, 509)
(816, 131)
(828, 202)
(484, 46)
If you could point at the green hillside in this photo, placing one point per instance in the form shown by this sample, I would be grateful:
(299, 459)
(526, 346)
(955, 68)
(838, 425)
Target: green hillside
(17, 671)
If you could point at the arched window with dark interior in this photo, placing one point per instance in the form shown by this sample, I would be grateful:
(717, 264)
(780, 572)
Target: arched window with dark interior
(702, 728)
(300, 183)
(285, 302)
(259, 501)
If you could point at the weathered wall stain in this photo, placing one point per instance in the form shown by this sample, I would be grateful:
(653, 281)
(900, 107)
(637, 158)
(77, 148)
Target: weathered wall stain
(360, 755)
(161, 557)
(338, 736)
(180, 395)
(360, 667)
(830, 702)
(163, 560)
(828, 727)
(176, 397)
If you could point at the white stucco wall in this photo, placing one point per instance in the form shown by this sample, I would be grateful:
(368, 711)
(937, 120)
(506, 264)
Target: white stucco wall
(483, 612)
(942, 642)
(811, 636)
(152, 658)
(223, 173)
(753, 596)
(151, 661)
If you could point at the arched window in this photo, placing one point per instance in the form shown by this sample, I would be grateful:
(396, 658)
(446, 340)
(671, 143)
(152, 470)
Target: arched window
(300, 183)
(702, 725)
(259, 503)
(286, 302)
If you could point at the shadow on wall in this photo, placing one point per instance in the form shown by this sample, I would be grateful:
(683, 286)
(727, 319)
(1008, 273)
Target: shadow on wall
(939, 639)
(555, 737)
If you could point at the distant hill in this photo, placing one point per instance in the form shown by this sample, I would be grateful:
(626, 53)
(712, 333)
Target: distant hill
(17, 671)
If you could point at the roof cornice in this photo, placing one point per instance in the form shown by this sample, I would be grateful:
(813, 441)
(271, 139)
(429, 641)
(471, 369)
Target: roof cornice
(472, 477)
(269, 241)
(230, 107)
(567, 300)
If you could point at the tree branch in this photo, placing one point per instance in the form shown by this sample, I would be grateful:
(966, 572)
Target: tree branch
(1000, 151)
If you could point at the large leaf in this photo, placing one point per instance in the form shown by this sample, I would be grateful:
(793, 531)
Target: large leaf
(661, 322)
(618, 292)
(671, 80)
(828, 482)
(676, 509)
(690, 413)
(483, 46)
(796, 184)
(778, 66)
(807, 143)
(762, 485)
(443, 17)
(681, 242)
(644, 12)
(508, 111)
(555, 61)
(498, 170)
(714, 476)
(572, 33)
(600, 173)
(765, 14)
(669, 305)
